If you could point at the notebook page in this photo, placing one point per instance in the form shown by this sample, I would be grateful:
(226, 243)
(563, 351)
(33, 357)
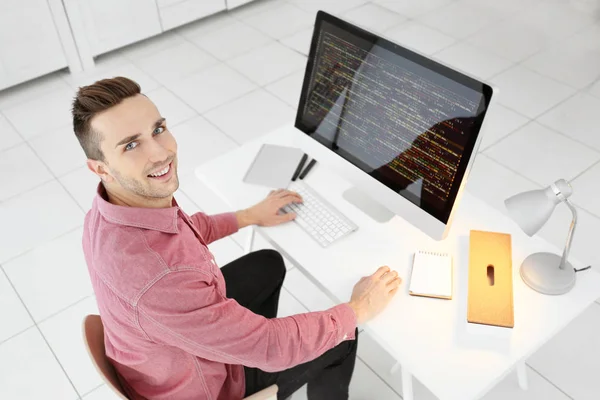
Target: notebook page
(431, 274)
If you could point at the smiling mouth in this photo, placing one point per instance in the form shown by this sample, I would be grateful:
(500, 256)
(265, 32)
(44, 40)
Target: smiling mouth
(163, 173)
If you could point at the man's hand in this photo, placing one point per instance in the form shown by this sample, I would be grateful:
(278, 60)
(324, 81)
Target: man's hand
(266, 213)
(373, 293)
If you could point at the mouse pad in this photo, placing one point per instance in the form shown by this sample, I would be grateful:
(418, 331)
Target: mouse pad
(274, 166)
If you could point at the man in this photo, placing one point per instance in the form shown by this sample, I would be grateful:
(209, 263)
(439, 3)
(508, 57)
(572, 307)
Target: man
(177, 326)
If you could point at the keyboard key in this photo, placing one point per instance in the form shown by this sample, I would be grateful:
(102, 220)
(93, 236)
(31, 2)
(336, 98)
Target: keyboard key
(317, 217)
(301, 222)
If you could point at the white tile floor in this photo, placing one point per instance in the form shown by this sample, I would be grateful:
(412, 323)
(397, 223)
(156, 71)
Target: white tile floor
(544, 55)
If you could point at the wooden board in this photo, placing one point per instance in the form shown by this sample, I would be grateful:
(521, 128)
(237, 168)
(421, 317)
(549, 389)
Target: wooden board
(490, 297)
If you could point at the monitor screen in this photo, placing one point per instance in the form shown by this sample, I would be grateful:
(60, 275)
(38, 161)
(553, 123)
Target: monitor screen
(404, 119)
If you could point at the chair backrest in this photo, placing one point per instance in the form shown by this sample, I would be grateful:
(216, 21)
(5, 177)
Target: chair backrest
(93, 337)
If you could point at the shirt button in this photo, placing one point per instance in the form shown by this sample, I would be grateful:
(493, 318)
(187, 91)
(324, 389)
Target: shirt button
(345, 337)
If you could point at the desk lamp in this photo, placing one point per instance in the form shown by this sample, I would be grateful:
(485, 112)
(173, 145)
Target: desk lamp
(544, 272)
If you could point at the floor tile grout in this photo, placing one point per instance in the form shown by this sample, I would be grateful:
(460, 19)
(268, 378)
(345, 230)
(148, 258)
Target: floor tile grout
(11, 147)
(9, 260)
(244, 52)
(40, 332)
(385, 382)
(2, 113)
(508, 168)
(271, 37)
(183, 121)
(258, 88)
(483, 152)
(238, 244)
(14, 196)
(92, 391)
(206, 119)
(53, 75)
(26, 141)
(583, 172)
(577, 205)
(562, 133)
(549, 381)
(57, 179)
(536, 120)
(8, 339)
(63, 309)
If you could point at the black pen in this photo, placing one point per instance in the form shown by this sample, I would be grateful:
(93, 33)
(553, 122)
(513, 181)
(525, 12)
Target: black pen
(300, 166)
(308, 168)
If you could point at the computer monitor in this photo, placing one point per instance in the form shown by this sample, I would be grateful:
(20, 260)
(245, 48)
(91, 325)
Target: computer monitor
(400, 126)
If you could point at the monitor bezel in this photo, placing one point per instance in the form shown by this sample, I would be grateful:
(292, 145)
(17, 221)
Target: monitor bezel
(446, 71)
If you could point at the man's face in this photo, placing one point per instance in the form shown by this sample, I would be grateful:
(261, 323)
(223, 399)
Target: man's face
(139, 150)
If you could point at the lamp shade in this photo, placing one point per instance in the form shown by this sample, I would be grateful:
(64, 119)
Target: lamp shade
(530, 210)
(546, 273)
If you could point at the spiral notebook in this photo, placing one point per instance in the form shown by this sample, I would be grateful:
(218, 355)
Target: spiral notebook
(431, 275)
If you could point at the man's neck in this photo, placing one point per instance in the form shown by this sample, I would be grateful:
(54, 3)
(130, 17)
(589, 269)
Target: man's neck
(128, 200)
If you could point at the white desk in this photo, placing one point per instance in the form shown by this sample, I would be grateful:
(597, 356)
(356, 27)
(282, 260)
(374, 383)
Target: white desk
(430, 338)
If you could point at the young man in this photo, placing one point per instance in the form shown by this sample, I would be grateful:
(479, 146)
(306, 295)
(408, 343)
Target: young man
(176, 326)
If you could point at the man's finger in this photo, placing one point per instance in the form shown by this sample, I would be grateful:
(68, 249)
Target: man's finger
(283, 191)
(275, 192)
(390, 276)
(286, 217)
(394, 282)
(286, 192)
(290, 199)
(284, 201)
(381, 271)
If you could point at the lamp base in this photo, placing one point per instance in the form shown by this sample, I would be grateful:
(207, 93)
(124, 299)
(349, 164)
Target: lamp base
(540, 272)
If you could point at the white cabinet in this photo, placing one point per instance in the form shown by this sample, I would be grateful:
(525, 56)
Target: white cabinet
(30, 44)
(41, 36)
(231, 4)
(100, 26)
(174, 13)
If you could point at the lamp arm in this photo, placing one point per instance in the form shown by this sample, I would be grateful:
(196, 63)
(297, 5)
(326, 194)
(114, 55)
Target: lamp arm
(563, 261)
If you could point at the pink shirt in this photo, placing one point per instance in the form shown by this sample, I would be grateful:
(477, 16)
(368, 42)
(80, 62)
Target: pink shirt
(170, 330)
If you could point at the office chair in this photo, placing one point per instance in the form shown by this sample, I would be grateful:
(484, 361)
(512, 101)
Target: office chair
(93, 337)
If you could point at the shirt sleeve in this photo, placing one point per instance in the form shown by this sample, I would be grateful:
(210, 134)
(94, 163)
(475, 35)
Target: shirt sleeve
(215, 227)
(183, 309)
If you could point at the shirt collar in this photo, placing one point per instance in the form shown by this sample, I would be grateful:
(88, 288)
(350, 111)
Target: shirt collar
(158, 219)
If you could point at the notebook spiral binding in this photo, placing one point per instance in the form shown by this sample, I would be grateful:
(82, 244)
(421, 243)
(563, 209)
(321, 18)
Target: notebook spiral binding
(434, 253)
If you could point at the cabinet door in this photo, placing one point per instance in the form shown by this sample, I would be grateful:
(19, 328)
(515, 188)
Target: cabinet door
(110, 24)
(236, 3)
(29, 43)
(175, 13)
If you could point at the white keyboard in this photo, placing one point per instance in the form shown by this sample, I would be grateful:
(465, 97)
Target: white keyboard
(318, 217)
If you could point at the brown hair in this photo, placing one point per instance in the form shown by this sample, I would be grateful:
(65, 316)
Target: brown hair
(92, 100)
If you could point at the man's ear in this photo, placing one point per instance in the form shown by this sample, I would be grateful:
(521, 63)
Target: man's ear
(100, 168)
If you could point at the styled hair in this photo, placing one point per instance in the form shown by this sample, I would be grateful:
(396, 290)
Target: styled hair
(92, 100)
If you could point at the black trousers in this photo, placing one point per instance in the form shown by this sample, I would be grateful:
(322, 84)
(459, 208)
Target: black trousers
(255, 281)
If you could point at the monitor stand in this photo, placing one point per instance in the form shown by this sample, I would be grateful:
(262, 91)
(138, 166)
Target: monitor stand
(367, 204)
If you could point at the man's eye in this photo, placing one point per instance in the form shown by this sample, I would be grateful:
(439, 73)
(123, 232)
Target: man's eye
(159, 130)
(131, 146)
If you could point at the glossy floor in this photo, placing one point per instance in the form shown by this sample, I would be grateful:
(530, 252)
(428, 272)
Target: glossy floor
(544, 55)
